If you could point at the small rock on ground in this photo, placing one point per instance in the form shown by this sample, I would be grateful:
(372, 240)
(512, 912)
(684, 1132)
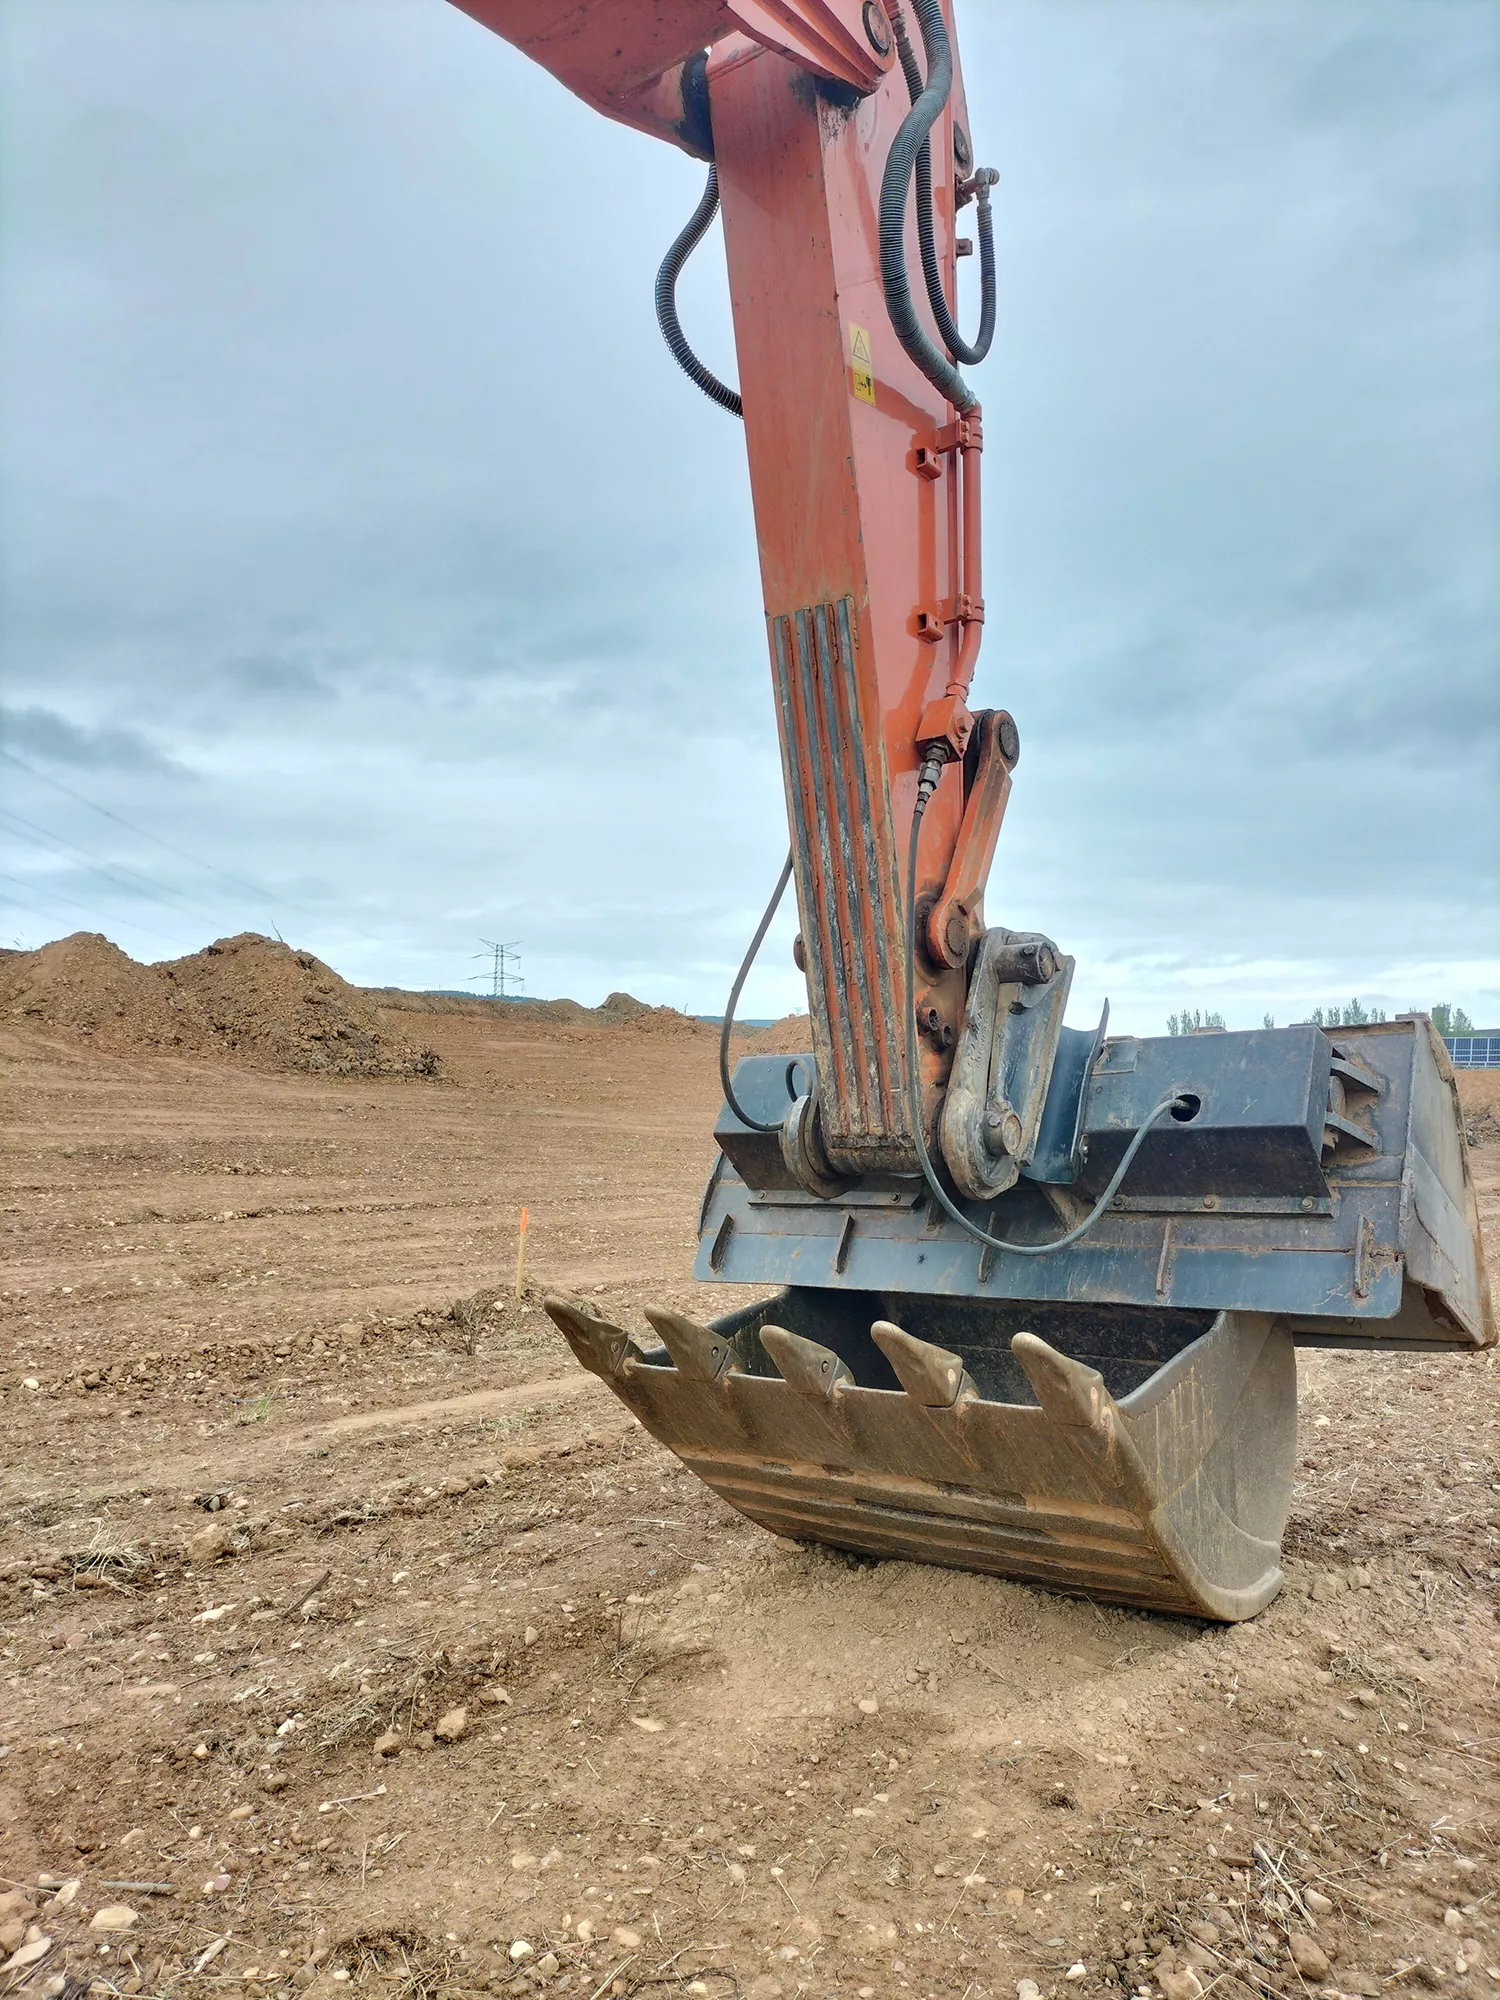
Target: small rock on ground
(1309, 1958)
(113, 1917)
(210, 1543)
(1183, 1985)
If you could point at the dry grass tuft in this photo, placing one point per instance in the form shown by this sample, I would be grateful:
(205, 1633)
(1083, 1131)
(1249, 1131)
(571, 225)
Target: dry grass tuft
(1347, 1665)
(402, 1704)
(410, 1965)
(469, 1314)
(107, 1556)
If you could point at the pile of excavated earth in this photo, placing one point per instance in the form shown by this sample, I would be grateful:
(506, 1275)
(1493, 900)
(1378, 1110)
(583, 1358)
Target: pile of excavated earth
(260, 1000)
(247, 996)
(619, 1010)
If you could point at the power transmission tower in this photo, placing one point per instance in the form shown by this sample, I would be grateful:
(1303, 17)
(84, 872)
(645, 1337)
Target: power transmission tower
(504, 980)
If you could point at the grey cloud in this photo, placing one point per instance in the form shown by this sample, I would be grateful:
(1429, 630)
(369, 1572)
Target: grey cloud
(43, 733)
(270, 675)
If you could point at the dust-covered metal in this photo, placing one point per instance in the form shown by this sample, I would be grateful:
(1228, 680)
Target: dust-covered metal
(997, 1091)
(1356, 1226)
(1145, 1459)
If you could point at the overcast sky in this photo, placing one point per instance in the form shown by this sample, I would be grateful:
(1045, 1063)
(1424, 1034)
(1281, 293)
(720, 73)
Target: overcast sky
(362, 542)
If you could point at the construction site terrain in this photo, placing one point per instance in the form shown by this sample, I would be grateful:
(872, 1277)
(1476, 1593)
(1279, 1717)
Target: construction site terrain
(353, 1639)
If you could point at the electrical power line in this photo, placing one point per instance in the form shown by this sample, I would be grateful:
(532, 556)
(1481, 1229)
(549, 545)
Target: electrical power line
(114, 871)
(182, 854)
(51, 896)
(158, 889)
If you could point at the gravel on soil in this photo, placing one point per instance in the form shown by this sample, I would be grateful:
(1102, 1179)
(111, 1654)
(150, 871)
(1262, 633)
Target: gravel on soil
(351, 1640)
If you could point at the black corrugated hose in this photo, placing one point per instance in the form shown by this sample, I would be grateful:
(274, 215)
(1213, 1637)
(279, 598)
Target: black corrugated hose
(666, 302)
(899, 166)
(958, 348)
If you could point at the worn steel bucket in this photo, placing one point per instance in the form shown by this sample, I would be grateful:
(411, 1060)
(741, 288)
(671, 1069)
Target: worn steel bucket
(1141, 1457)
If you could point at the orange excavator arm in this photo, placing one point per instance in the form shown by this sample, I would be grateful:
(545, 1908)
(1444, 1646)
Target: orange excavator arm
(864, 467)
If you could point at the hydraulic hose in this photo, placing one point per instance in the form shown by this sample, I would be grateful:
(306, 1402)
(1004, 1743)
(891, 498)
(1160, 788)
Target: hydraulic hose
(958, 348)
(666, 302)
(914, 1099)
(900, 165)
(755, 1124)
(727, 399)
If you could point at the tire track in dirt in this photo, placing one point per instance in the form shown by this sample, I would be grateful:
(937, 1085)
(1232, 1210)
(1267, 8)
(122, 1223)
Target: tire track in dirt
(478, 1403)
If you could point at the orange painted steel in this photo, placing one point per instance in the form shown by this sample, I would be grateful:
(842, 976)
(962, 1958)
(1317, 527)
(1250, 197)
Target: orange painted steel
(954, 923)
(865, 484)
(624, 60)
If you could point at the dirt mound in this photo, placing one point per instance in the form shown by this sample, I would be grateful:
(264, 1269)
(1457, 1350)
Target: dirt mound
(618, 1010)
(264, 998)
(623, 1010)
(1479, 1094)
(790, 1036)
(397, 1000)
(667, 1022)
(86, 983)
(245, 996)
(621, 1007)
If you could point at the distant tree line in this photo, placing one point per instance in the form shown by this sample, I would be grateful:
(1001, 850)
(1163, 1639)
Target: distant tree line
(1351, 1016)
(1193, 1021)
(1448, 1019)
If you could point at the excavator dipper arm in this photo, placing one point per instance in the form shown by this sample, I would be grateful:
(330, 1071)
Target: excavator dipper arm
(1040, 1287)
(865, 481)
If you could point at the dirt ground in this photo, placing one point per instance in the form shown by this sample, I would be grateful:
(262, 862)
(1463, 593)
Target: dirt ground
(352, 1640)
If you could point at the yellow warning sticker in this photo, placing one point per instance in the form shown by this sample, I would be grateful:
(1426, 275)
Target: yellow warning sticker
(861, 364)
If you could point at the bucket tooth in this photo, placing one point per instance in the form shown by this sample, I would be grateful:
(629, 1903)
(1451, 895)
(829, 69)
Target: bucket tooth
(1076, 1400)
(697, 1351)
(803, 1365)
(929, 1375)
(601, 1346)
(1069, 1392)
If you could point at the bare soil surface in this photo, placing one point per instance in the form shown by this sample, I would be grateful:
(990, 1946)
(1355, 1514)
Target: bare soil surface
(351, 1638)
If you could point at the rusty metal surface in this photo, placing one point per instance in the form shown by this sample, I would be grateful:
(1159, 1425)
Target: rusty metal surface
(997, 1089)
(843, 851)
(1172, 1496)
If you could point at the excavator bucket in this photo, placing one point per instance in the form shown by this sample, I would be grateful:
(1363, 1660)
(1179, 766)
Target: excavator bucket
(824, 1420)
(1118, 1417)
